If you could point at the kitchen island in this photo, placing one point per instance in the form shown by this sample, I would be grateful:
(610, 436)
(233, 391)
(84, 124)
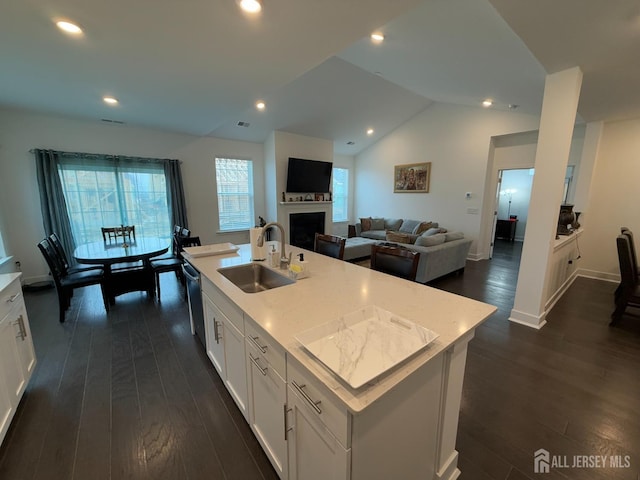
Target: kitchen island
(310, 422)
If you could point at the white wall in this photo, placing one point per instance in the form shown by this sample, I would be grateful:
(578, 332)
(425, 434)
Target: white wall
(20, 204)
(613, 200)
(457, 141)
(287, 145)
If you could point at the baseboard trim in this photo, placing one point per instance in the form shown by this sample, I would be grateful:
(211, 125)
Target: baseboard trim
(450, 470)
(474, 257)
(607, 277)
(560, 292)
(528, 320)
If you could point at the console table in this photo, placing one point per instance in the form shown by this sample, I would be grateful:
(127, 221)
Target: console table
(506, 229)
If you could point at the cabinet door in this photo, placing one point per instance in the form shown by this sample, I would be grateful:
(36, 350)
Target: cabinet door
(24, 342)
(314, 454)
(12, 379)
(268, 399)
(213, 332)
(7, 409)
(234, 358)
(10, 361)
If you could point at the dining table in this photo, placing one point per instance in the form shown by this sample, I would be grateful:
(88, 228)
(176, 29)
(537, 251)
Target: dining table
(126, 262)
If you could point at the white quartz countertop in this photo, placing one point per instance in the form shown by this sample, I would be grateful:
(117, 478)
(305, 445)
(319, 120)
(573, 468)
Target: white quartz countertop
(335, 288)
(7, 279)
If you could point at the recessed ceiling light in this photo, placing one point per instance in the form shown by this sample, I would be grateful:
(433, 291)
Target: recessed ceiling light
(377, 37)
(369, 131)
(250, 6)
(110, 100)
(69, 27)
(260, 105)
(487, 103)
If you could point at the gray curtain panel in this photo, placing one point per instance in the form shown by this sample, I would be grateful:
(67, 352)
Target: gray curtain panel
(175, 189)
(52, 202)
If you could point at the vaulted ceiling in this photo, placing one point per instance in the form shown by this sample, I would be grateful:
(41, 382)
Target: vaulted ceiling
(198, 67)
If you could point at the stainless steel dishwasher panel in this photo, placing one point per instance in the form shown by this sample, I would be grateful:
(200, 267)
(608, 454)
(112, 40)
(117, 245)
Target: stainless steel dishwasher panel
(194, 294)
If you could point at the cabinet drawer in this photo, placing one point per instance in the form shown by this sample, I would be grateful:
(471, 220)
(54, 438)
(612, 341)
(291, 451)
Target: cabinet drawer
(268, 349)
(226, 306)
(9, 297)
(331, 413)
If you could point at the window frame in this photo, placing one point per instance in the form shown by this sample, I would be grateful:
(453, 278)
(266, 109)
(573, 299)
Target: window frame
(336, 195)
(250, 195)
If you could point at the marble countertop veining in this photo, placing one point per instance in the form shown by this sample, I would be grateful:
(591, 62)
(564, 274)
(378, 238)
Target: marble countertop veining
(335, 288)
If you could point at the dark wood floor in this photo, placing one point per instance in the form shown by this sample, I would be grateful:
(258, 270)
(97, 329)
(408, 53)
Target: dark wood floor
(131, 394)
(572, 388)
(125, 396)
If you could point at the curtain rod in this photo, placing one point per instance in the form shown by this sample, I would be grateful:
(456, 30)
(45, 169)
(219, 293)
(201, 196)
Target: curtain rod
(96, 156)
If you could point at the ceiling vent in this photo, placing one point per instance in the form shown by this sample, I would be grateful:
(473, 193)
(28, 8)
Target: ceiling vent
(351, 143)
(106, 120)
(244, 124)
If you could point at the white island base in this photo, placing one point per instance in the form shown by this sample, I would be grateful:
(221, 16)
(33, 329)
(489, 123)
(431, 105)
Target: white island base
(409, 433)
(313, 425)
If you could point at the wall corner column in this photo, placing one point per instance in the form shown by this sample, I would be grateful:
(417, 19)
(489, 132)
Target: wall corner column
(559, 108)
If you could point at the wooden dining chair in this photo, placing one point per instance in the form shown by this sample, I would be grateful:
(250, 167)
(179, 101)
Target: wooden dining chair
(634, 258)
(329, 245)
(62, 255)
(67, 282)
(124, 231)
(174, 263)
(628, 293)
(395, 260)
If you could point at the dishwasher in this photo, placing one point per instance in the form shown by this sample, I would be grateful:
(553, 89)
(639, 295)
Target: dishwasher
(194, 294)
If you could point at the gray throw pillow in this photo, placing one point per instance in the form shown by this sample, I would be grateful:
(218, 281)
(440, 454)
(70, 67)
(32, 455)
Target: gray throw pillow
(392, 223)
(408, 226)
(377, 224)
(430, 241)
(449, 236)
(431, 231)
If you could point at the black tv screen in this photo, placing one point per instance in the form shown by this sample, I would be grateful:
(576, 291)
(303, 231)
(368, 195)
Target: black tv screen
(308, 176)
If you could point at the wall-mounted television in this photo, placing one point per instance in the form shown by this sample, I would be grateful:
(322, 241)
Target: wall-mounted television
(308, 176)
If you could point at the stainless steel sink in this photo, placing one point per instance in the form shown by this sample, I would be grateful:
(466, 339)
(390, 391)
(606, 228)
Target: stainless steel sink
(253, 277)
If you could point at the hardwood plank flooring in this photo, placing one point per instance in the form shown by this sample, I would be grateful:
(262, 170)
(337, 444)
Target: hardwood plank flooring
(132, 395)
(570, 388)
(125, 395)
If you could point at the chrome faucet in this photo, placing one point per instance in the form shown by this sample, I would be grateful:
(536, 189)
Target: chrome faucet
(284, 260)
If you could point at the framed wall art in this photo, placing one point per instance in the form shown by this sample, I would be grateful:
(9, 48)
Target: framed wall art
(412, 178)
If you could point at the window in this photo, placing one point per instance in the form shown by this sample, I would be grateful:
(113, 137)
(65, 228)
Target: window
(234, 181)
(101, 194)
(340, 194)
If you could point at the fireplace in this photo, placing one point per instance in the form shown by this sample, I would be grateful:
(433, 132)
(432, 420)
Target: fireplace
(303, 228)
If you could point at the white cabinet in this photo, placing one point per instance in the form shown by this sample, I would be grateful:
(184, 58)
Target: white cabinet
(314, 453)
(319, 436)
(267, 398)
(17, 356)
(213, 326)
(308, 431)
(236, 380)
(225, 343)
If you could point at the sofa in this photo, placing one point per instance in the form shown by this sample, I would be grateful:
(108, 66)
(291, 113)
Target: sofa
(441, 251)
